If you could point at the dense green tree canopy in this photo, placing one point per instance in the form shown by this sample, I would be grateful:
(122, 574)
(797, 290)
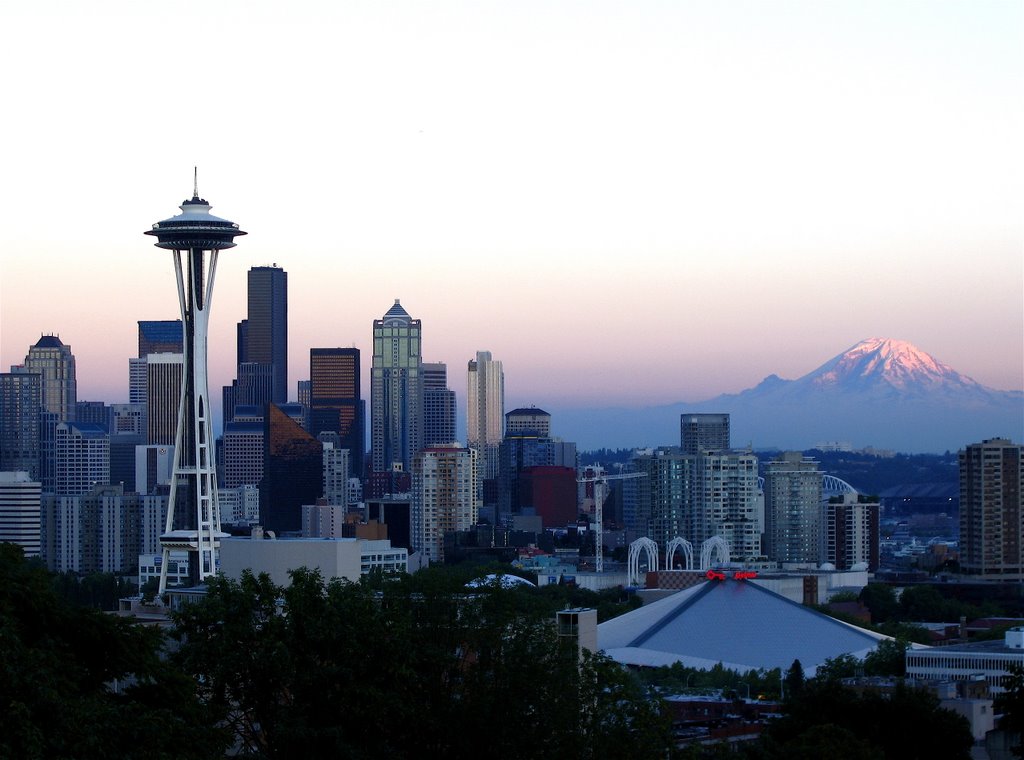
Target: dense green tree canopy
(76, 683)
(827, 720)
(405, 669)
(1011, 705)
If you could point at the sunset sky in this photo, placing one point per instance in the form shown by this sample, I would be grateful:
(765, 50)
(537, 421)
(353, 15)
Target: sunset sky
(627, 203)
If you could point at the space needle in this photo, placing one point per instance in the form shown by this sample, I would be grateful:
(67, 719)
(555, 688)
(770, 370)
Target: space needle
(193, 514)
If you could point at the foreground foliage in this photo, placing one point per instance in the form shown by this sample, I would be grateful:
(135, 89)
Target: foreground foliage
(827, 720)
(76, 683)
(344, 670)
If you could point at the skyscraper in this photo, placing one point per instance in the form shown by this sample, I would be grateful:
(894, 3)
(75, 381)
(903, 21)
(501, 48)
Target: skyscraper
(266, 336)
(992, 509)
(727, 499)
(20, 407)
(53, 361)
(696, 497)
(82, 457)
(792, 509)
(528, 420)
(335, 403)
(703, 432)
(444, 496)
(665, 500)
(850, 531)
(164, 374)
(485, 410)
(396, 390)
(19, 511)
(164, 336)
(527, 444)
(292, 471)
(438, 405)
(95, 412)
(261, 343)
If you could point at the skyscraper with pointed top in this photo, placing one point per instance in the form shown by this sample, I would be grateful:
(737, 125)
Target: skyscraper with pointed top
(193, 516)
(396, 390)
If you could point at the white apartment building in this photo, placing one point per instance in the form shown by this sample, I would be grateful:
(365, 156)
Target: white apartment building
(20, 511)
(444, 496)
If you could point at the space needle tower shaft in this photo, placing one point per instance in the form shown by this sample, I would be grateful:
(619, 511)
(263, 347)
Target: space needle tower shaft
(193, 514)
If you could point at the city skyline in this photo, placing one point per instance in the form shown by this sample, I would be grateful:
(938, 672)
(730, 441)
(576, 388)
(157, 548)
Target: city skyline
(707, 194)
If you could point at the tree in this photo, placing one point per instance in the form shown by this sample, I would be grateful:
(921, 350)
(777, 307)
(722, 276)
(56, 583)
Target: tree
(889, 658)
(1011, 704)
(907, 723)
(794, 680)
(881, 600)
(75, 682)
(409, 668)
(836, 668)
(925, 603)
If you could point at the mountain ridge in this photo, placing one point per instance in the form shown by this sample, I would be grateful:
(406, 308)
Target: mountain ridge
(880, 392)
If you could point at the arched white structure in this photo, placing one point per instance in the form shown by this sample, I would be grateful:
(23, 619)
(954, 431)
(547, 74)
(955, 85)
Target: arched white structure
(670, 551)
(833, 486)
(709, 547)
(633, 564)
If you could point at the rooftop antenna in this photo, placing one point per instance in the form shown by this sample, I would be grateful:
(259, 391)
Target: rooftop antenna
(195, 181)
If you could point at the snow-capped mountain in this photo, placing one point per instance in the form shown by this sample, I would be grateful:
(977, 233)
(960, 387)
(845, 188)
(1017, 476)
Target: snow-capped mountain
(880, 392)
(888, 362)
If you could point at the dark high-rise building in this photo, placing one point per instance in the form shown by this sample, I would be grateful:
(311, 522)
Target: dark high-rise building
(93, 412)
(292, 471)
(335, 405)
(164, 374)
(20, 407)
(160, 337)
(522, 450)
(438, 405)
(850, 531)
(262, 344)
(266, 332)
(396, 515)
(255, 385)
(703, 432)
(992, 509)
(302, 389)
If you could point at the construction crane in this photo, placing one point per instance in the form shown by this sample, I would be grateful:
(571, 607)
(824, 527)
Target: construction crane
(600, 482)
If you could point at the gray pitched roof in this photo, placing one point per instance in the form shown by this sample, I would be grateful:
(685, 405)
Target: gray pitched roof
(738, 623)
(397, 311)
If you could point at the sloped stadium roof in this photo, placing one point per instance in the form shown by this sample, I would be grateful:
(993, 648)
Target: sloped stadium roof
(738, 623)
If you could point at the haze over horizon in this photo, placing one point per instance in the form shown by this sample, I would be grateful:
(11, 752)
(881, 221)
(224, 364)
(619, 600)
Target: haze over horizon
(628, 205)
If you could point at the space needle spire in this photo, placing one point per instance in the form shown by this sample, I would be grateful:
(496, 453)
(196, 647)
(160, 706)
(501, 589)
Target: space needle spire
(193, 514)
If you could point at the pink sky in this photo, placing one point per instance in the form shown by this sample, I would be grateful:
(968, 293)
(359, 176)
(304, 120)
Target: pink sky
(625, 203)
